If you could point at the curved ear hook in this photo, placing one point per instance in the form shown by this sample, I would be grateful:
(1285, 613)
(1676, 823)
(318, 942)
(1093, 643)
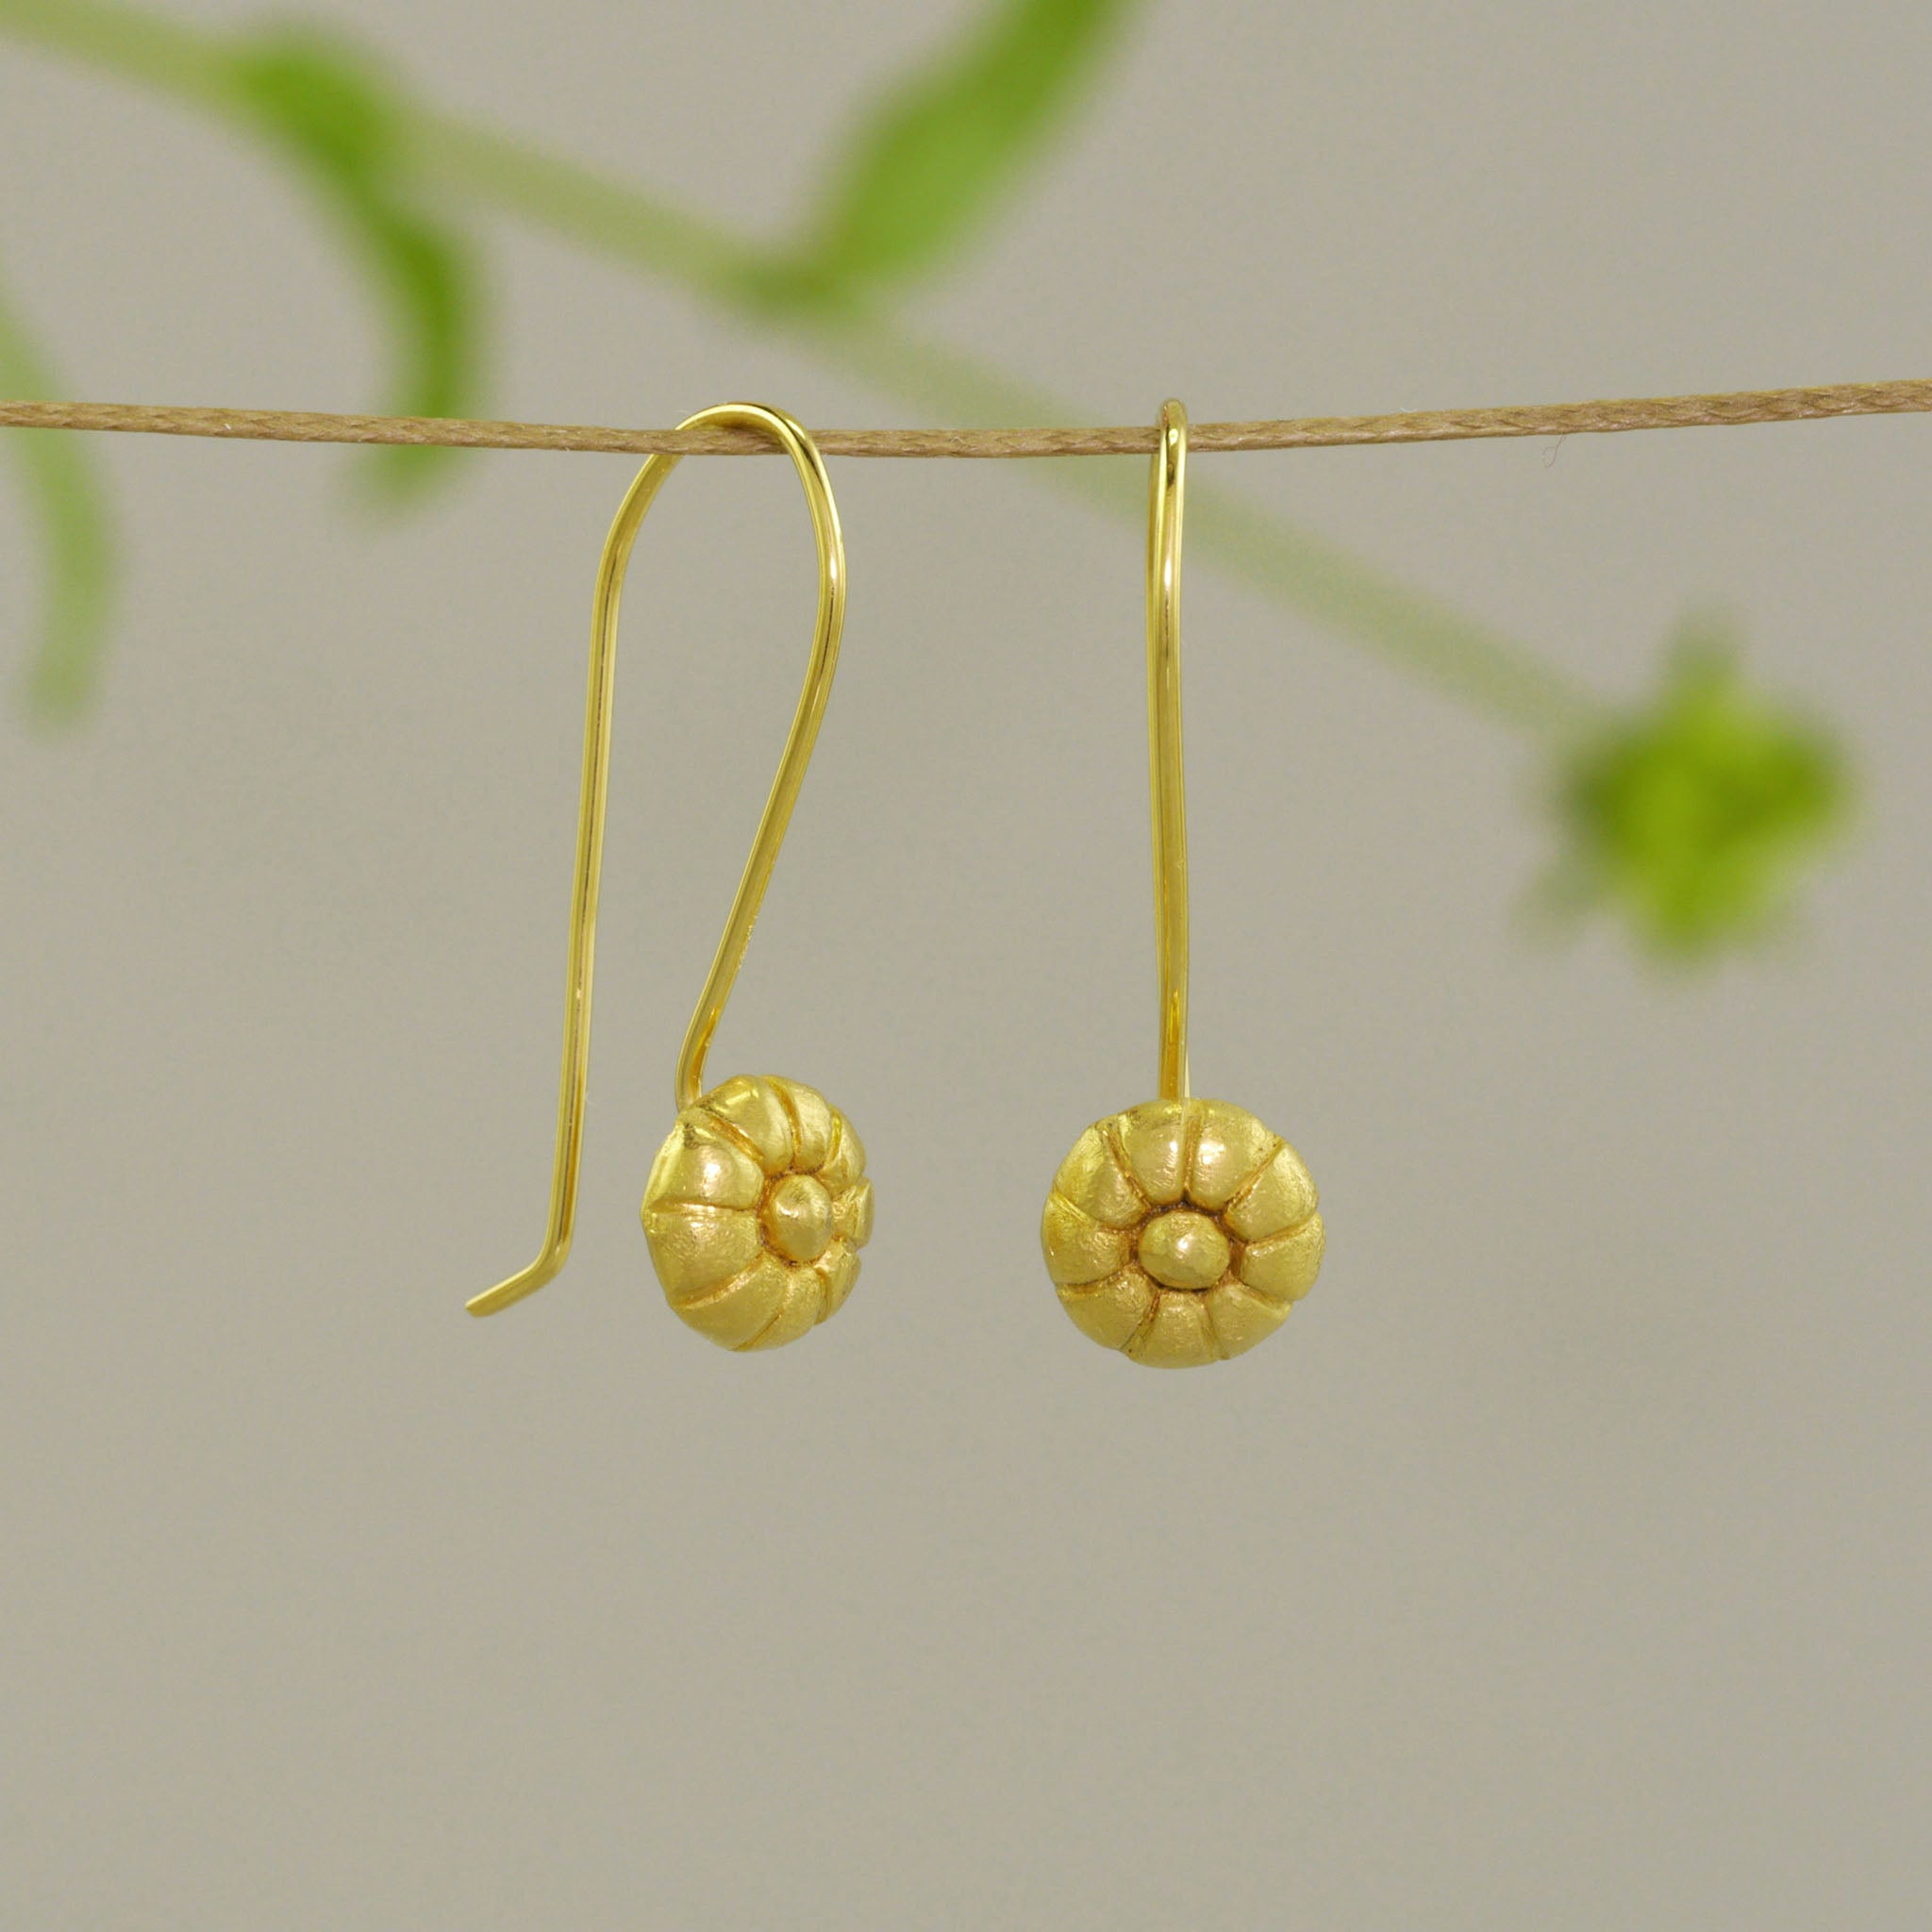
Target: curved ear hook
(799, 446)
(1168, 786)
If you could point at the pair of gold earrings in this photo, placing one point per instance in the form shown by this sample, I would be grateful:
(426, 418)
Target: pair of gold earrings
(1180, 1231)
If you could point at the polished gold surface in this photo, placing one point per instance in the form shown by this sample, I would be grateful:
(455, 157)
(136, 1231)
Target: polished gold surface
(756, 1209)
(1167, 785)
(1181, 1232)
(797, 1212)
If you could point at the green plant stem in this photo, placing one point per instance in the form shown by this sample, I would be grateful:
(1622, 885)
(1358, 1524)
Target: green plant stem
(75, 535)
(1322, 581)
(129, 41)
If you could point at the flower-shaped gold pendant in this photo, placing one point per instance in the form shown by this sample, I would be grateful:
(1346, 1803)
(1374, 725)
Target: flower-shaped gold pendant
(1181, 1232)
(756, 1209)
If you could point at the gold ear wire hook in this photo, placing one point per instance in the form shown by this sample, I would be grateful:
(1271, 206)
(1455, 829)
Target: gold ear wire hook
(803, 453)
(1168, 786)
(1180, 1231)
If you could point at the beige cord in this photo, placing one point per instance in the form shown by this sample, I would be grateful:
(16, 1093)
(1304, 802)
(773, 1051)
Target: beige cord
(1304, 432)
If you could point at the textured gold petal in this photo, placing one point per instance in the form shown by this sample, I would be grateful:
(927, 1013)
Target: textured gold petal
(1154, 1139)
(1111, 1310)
(1091, 1179)
(837, 1270)
(1178, 1336)
(811, 1120)
(1284, 1267)
(839, 1170)
(1078, 1248)
(743, 1308)
(699, 1162)
(851, 1215)
(753, 1107)
(1282, 1197)
(696, 1249)
(797, 1311)
(845, 1163)
(1230, 1147)
(1240, 1319)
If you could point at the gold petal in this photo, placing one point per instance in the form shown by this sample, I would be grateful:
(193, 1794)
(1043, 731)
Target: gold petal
(1240, 1319)
(1091, 1179)
(798, 1311)
(1281, 1198)
(753, 1107)
(812, 1119)
(845, 1163)
(1111, 1310)
(699, 1162)
(696, 1249)
(1284, 1267)
(1079, 1249)
(732, 1315)
(1153, 1138)
(1230, 1147)
(837, 1270)
(851, 1215)
(1178, 1336)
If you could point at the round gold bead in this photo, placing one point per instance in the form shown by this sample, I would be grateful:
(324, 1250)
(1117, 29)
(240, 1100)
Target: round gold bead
(756, 1209)
(1184, 1249)
(797, 1217)
(1181, 1232)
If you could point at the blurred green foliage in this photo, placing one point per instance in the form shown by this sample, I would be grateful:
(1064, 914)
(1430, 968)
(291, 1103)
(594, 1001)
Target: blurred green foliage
(1699, 813)
(77, 533)
(925, 168)
(1693, 817)
(336, 113)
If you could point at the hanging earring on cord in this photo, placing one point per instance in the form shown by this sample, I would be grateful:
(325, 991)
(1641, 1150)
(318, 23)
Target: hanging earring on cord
(758, 1203)
(1181, 1231)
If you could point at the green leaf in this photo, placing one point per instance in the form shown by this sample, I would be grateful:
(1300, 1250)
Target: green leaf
(64, 492)
(344, 122)
(1698, 815)
(928, 166)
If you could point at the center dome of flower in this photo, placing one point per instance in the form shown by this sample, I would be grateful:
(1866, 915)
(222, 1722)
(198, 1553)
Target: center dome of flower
(1184, 1248)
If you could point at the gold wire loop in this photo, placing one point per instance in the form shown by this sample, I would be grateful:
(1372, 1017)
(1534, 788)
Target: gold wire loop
(1168, 787)
(784, 431)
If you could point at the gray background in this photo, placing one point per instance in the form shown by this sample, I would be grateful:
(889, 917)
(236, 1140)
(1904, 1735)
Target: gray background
(1565, 1560)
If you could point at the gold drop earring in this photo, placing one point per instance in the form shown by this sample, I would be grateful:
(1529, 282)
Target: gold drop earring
(758, 1203)
(1181, 1231)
